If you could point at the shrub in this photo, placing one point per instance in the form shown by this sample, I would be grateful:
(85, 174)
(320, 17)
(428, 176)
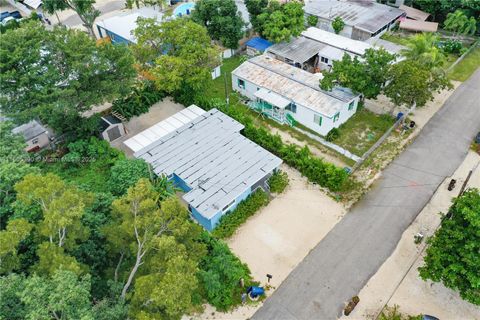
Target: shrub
(338, 24)
(332, 135)
(278, 181)
(91, 150)
(452, 46)
(312, 20)
(143, 96)
(125, 173)
(220, 274)
(247, 208)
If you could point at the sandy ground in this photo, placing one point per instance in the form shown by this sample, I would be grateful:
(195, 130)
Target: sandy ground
(397, 281)
(278, 237)
(158, 112)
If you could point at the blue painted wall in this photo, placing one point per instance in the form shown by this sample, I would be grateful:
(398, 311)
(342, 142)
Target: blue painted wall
(180, 183)
(116, 39)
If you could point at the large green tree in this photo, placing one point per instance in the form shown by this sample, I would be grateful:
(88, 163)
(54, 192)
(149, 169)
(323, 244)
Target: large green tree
(16, 231)
(222, 20)
(366, 77)
(452, 256)
(56, 74)
(440, 9)
(177, 53)
(255, 8)
(423, 49)
(459, 23)
(84, 9)
(281, 22)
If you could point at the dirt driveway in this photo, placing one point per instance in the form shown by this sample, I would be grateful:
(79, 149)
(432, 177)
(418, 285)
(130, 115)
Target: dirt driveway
(158, 112)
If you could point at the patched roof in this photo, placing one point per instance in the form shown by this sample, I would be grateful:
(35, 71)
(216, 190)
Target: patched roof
(365, 15)
(295, 84)
(298, 50)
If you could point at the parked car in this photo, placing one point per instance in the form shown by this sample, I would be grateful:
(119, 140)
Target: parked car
(16, 15)
(7, 20)
(3, 15)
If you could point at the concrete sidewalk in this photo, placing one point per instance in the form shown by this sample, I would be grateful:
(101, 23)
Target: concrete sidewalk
(352, 252)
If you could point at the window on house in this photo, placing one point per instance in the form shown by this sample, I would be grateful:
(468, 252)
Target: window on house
(336, 116)
(228, 205)
(241, 83)
(350, 106)
(35, 141)
(324, 60)
(317, 119)
(292, 107)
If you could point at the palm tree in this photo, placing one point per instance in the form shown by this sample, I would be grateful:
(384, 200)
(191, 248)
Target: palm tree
(470, 27)
(422, 48)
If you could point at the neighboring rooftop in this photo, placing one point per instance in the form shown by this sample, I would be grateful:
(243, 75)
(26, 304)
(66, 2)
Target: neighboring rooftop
(413, 13)
(298, 50)
(211, 156)
(292, 83)
(336, 41)
(415, 25)
(30, 130)
(366, 15)
(387, 45)
(123, 25)
(258, 43)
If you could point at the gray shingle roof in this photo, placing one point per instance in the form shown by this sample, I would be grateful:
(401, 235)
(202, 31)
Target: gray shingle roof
(213, 158)
(29, 130)
(298, 50)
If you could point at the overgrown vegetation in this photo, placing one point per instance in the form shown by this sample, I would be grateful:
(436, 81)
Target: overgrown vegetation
(452, 253)
(245, 209)
(278, 181)
(393, 313)
(465, 68)
(143, 96)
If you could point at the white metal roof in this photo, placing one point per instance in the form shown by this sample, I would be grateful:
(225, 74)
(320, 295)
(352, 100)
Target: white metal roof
(272, 98)
(211, 156)
(337, 41)
(33, 3)
(367, 15)
(123, 25)
(161, 129)
(294, 84)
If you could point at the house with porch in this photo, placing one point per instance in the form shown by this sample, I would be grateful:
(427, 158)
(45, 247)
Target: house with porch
(290, 95)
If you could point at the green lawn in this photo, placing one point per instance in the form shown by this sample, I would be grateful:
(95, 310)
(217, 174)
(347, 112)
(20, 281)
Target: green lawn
(465, 68)
(397, 38)
(362, 130)
(216, 87)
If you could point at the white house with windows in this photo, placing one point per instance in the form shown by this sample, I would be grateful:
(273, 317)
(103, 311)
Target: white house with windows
(291, 95)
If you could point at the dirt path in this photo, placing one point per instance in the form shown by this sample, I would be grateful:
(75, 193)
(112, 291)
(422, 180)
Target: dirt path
(394, 283)
(280, 235)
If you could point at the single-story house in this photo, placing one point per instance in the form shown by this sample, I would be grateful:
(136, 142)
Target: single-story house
(291, 95)
(415, 14)
(211, 162)
(363, 18)
(256, 46)
(119, 29)
(35, 134)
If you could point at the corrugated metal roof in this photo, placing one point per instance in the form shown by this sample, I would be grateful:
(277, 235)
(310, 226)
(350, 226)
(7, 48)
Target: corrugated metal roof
(414, 13)
(272, 98)
(163, 128)
(292, 83)
(213, 158)
(363, 14)
(337, 41)
(415, 25)
(298, 50)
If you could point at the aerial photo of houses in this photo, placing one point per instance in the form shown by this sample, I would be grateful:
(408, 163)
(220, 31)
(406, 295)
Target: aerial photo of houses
(240, 159)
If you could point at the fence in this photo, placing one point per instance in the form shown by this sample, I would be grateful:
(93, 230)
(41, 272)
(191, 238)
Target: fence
(463, 55)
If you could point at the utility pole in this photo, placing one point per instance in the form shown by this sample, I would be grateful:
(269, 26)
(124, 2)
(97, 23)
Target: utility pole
(227, 100)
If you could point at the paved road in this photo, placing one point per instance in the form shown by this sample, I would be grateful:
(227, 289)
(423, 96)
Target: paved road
(105, 8)
(341, 264)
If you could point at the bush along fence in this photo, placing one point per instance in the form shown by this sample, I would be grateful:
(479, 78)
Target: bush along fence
(316, 170)
(143, 96)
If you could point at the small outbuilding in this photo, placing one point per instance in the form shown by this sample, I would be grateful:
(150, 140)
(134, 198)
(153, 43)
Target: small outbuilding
(111, 128)
(256, 46)
(418, 26)
(414, 14)
(211, 162)
(35, 134)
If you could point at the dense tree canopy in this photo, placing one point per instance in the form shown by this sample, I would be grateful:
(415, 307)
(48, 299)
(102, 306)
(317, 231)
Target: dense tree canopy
(63, 72)
(439, 9)
(366, 77)
(453, 253)
(255, 8)
(459, 23)
(177, 53)
(222, 20)
(277, 22)
(84, 8)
